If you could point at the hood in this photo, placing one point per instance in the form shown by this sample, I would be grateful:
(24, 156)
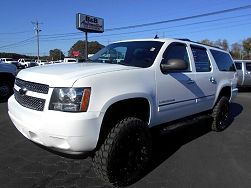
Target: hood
(64, 74)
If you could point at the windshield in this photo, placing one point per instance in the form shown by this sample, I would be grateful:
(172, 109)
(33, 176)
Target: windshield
(9, 59)
(135, 53)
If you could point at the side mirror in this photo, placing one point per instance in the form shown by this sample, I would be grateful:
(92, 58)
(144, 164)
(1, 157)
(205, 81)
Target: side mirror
(173, 65)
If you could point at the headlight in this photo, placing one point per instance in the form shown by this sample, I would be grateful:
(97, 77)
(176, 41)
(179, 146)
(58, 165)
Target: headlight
(70, 99)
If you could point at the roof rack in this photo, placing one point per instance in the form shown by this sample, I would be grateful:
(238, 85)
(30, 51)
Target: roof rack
(184, 39)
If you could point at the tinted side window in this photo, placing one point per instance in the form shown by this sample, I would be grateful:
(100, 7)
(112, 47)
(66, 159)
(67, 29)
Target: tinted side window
(248, 66)
(223, 60)
(238, 65)
(176, 51)
(201, 60)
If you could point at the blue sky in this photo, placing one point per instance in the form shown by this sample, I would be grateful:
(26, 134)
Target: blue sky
(59, 30)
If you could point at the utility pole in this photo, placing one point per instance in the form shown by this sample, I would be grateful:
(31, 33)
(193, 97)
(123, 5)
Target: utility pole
(37, 30)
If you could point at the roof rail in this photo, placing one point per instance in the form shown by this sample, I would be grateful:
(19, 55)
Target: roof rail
(185, 40)
(210, 45)
(201, 43)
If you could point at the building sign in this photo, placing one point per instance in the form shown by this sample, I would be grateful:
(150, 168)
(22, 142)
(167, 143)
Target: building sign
(89, 24)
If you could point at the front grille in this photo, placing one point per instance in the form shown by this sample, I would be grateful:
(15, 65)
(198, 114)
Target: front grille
(29, 102)
(35, 87)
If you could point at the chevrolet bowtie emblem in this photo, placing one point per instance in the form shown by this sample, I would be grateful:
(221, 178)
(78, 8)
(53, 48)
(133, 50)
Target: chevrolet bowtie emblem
(22, 91)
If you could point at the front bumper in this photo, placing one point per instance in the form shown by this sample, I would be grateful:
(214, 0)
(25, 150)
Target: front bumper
(71, 133)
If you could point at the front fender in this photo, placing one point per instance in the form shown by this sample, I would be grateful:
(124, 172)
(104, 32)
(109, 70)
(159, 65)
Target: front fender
(127, 96)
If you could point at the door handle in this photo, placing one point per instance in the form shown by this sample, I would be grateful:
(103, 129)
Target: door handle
(211, 79)
(190, 81)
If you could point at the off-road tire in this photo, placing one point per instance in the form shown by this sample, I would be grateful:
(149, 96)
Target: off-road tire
(125, 153)
(220, 114)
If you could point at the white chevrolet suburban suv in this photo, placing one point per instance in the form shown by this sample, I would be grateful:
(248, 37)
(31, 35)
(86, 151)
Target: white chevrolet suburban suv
(106, 106)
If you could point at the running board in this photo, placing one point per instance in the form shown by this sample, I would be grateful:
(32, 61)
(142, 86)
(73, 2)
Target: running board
(168, 127)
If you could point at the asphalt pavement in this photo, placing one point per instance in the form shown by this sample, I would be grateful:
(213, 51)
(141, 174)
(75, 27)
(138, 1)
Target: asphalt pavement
(191, 156)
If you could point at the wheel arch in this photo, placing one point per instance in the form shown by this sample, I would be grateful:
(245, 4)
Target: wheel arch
(224, 91)
(139, 107)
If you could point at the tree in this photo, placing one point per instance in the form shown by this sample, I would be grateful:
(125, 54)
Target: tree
(218, 43)
(222, 44)
(247, 48)
(56, 54)
(236, 50)
(225, 45)
(12, 55)
(78, 46)
(93, 47)
(207, 42)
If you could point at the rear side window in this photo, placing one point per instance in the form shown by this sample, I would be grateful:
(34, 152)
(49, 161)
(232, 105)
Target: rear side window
(223, 60)
(238, 65)
(248, 66)
(201, 60)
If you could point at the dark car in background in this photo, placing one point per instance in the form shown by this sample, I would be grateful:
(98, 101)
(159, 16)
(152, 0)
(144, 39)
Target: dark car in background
(33, 64)
(18, 65)
(7, 78)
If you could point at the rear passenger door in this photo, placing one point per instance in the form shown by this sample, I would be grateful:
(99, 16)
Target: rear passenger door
(204, 77)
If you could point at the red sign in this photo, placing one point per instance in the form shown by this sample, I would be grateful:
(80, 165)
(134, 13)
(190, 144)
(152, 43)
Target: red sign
(75, 53)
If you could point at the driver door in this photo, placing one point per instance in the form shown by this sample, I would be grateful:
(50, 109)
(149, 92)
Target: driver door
(176, 90)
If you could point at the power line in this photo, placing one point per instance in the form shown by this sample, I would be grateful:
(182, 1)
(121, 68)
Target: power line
(56, 36)
(17, 43)
(182, 19)
(14, 33)
(176, 26)
(160, 22)
(30, 40)
(196, 31)
(63, 35)
(141, 31)
(212, 29)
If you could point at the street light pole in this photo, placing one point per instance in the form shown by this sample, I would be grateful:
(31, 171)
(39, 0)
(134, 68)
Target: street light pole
(86, 46)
